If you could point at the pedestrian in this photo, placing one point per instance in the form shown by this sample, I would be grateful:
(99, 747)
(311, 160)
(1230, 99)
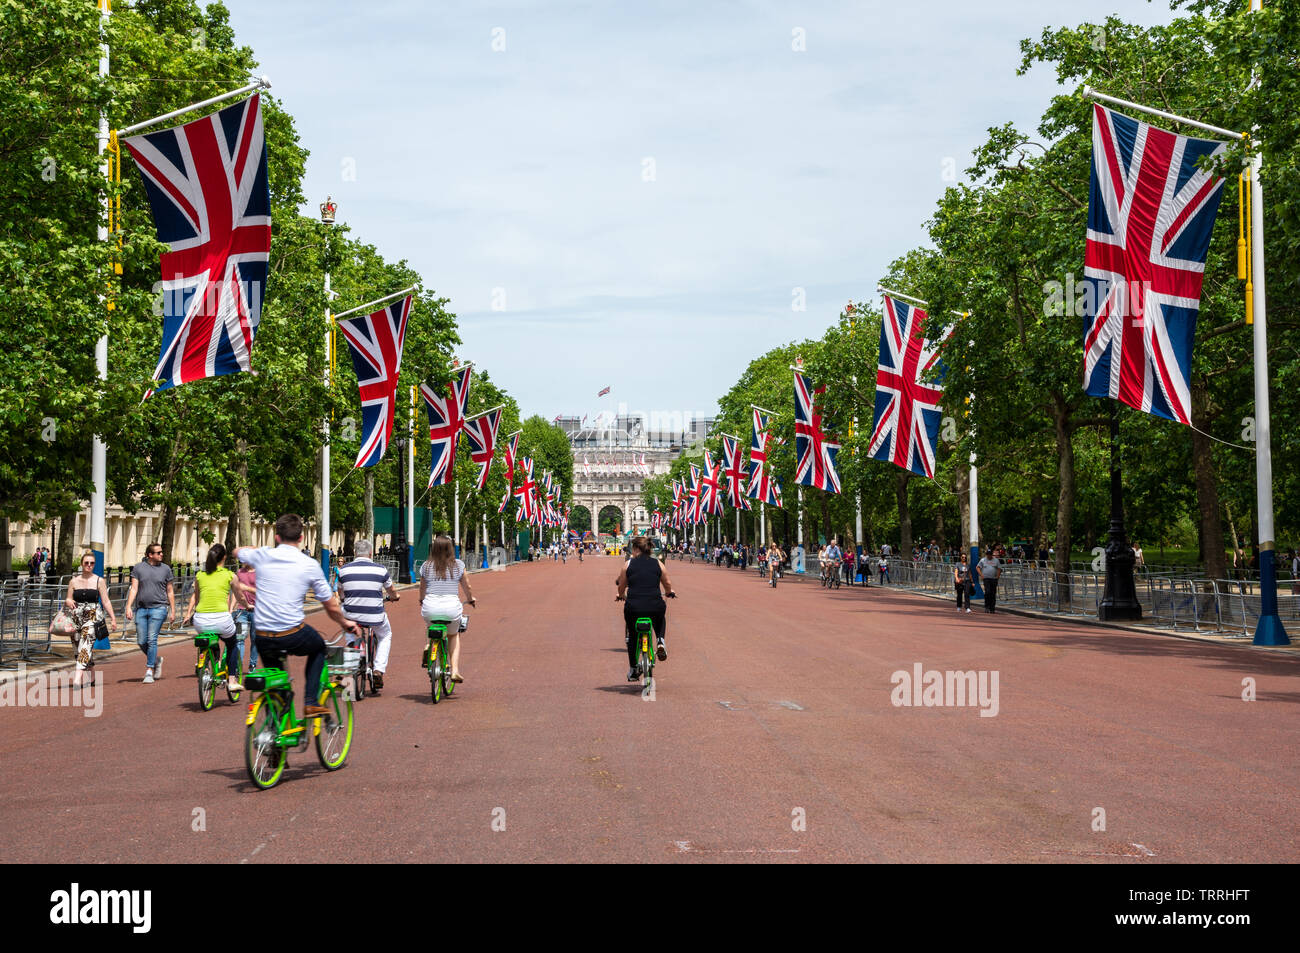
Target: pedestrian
(962, 582)
(883, 565)
(1138, 561)
(153, 594)
(88, 601)
(243, 614)
(990, 569)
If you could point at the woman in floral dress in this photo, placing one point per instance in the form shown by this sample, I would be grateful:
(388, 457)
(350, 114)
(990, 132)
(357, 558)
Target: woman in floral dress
(87, 602)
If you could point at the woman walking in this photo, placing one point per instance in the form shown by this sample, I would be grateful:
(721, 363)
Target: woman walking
(211, 602)
(88, 601)
(961, 580)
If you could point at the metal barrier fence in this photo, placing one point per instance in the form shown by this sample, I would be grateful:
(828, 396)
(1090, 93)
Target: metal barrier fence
(1169, 601)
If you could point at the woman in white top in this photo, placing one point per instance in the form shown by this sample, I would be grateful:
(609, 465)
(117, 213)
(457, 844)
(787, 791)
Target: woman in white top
(442, 577)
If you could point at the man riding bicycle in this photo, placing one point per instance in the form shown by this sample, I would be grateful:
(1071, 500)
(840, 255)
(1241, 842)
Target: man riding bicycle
(362, 585)
(832, 556)
(638, 588)
(284, 574)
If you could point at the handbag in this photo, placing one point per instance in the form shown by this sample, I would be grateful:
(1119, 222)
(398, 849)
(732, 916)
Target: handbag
(101, 635)
(62, 624)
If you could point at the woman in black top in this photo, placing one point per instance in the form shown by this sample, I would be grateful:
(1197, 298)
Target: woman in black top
(640, 581)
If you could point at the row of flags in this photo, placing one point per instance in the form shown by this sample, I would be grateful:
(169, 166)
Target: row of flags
(1150, 216)
(616, 465)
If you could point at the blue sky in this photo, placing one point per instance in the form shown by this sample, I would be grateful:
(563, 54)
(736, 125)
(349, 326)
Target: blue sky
(629, 195)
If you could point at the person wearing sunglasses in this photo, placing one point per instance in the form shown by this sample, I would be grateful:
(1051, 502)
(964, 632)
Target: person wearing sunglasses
(153, 594)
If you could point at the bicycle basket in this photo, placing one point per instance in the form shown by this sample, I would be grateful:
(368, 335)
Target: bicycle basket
(342, 661)
(264, 679)
(205, 640)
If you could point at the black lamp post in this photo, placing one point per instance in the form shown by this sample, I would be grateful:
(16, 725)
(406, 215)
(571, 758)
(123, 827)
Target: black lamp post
(1119, 601)
(400, 542)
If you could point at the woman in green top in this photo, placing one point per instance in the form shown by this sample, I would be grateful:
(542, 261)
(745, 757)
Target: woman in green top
(216, 591)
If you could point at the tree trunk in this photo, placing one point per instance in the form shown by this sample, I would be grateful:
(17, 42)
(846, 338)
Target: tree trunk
(317, 500)
(963, 503)
(1232, 528)
(1065, 501)
(168, 532)
(826, 516)
(232, 531)
(938, 531)
(1207, 488)
(63, 558)
(901, 482)
(1089, 528)
(368, 519)
(242, 507)
(1040, 519)
(785, 522)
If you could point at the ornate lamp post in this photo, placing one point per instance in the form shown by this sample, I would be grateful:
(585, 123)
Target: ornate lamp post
(399, 531)
(327, 212)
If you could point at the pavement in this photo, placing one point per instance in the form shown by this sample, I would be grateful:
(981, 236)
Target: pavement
(775, 733)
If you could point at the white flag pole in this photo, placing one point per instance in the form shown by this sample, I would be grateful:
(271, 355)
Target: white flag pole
(98, 449)
(410, 493)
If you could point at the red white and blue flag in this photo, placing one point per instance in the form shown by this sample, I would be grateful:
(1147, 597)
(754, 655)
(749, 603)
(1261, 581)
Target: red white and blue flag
(733, 465)
(481, 432)
(526, 493)
(512, 454)
(905, 427)
(693, 497)
(446, 420)
(207, 186)
(1150, 215)
(603, 391)
(762, 485)
(711, 487)
(815, 455)
(375, 342)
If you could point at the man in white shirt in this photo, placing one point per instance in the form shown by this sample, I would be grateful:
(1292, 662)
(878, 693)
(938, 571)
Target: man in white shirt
(284, 574)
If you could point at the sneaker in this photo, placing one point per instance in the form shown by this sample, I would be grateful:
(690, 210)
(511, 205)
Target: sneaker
(379, 680)
(157, 669)
(464, 623)
(632, 675)
(968, 610)
(662, 653)
(148, 676)
(234, 686)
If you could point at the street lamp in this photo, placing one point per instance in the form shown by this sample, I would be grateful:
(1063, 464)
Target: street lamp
(399, 532)
(327, 212)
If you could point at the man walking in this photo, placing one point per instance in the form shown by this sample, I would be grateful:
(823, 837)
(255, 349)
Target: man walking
(153, 594)
(990, 569)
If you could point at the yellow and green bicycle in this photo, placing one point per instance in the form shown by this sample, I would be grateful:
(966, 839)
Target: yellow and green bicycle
(437, 659)
(211, 669)
(273, 728)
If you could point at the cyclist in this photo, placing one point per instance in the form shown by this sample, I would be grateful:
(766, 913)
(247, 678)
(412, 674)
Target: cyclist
(834, 556)
(774, 557)
(362, 584)
(216, 590)
(638, 588)
(442, 576)
(284, 574)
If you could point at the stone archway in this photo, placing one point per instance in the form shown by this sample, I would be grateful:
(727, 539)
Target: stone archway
(610, 518)
(580, 518)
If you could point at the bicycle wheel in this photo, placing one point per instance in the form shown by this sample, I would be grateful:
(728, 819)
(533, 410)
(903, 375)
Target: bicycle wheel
(207, 680)
(237, 675)
(334, 731)
(372, 649)
(448, 686)
(646, 668)
(435, 670)
(263, 756)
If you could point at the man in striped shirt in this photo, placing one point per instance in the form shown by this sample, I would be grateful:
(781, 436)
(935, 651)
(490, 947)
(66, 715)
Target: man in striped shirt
(362, 584)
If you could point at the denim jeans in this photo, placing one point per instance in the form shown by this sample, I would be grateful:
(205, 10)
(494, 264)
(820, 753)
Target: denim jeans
(148, 623)
(244, 626)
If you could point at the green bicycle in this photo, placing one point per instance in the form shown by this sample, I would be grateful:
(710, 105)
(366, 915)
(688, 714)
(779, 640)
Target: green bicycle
(273, 727)
(437, 659)
(211, 668)
(645, 661)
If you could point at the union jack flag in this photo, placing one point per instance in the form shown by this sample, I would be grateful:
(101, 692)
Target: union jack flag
(1150, 214)
(815, 455)
(375, 341)
(733, 462)
(656, 520)
(505, 499)
(905, 427)
(207, 186)
(711, 487)
(693, 496)
(762, 485)
(603, 391)
(481, 431)
(512, 454)
(526, 493)
(446, 420)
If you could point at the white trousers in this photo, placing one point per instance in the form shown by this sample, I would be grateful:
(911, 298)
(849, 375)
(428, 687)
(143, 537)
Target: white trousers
(383, 642)
(441, 608)
(220, 622)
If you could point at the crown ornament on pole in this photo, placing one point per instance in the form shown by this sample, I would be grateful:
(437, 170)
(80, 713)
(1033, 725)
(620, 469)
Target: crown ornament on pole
(328, 208)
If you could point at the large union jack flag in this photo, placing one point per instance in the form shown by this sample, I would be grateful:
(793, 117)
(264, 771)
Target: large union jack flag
(446, 420)
(693, 496)
(711, 487)
(526, 493)
(375, 341)
(1150, 214)
(905, 427)
(815, 455)
(762, 485)
(733, 464)
(207, 186)
(481, 431)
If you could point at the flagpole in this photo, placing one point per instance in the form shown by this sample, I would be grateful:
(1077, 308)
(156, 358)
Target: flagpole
(368, 304)
(410, 494)
(456, 511)
(98, 449)
(262, 83)
(974, 533)
(325, 447)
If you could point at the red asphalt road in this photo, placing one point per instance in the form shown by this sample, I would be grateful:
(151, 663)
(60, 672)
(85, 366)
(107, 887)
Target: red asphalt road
(774, 705)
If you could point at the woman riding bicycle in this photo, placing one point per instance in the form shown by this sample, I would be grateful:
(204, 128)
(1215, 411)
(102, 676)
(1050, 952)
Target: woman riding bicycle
(216, 592)
(442, 575)
(638, 587)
